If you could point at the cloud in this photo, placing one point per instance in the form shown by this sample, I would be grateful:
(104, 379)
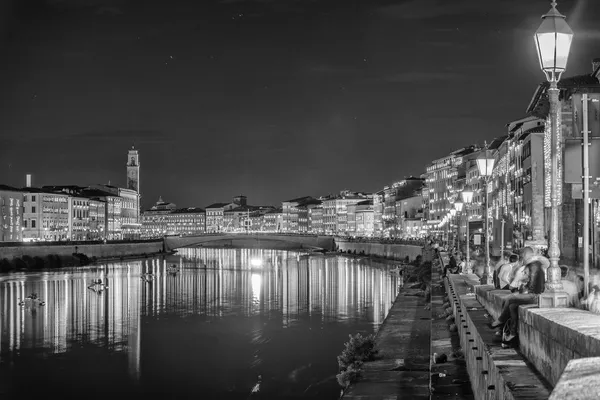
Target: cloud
(421, 76)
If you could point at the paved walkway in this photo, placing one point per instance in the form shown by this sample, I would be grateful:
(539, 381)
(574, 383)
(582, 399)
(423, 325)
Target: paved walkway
(407, 340)
(402, 369)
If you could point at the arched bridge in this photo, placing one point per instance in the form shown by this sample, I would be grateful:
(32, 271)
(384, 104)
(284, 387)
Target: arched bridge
(264, 240)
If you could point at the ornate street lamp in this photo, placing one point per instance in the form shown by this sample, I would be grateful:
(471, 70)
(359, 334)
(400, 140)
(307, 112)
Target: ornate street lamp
(467, 198)
(553, 42)
(485, 164)
(458, 206)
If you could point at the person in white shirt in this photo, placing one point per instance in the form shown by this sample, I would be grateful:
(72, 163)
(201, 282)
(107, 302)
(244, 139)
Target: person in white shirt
(505, 274)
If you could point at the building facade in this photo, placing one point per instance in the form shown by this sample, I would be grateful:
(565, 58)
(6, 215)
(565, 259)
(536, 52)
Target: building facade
(11, 214)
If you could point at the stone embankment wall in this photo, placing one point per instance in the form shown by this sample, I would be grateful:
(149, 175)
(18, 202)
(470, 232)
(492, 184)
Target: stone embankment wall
(98, 250)
(389, 250)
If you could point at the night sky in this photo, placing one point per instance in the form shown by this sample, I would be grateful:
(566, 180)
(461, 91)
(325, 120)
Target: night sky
(274, 99)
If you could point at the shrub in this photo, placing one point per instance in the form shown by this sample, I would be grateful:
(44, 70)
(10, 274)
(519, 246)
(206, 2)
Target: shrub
(5, 265)
(18, 264)
(38, 262)
(53, 261)
(351, 374)
(357, 350)
(453, 328)
(28, 260)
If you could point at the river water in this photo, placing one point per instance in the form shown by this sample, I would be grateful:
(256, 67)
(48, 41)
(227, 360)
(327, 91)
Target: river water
(230, 324)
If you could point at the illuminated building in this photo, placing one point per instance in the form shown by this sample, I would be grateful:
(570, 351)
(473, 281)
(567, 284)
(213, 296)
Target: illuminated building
(391, 194)
(570, 126)
(215, 214)
(11, 214)
(315, 219)
(131, 216)
(114, 205)
(441, 181)
(97, 219)
(185, 221)
(273, 220)
(289, 210)
(360, 218)
(378, 213)
(47, 215)
(304, 215)
(154, 222)
(239, 219)
(335, 211)
(516, 190)
(79, 218)
(410, 213)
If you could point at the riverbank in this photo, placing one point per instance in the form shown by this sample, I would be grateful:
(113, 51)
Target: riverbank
(55, 261)
(35, 256)
(419, 354)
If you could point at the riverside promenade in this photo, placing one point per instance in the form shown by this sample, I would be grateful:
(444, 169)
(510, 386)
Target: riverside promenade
(414, 330)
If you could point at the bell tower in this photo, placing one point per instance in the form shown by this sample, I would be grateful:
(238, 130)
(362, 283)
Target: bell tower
(133, 170)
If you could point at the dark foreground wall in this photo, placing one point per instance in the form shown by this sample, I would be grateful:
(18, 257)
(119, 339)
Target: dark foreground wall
(91, 250)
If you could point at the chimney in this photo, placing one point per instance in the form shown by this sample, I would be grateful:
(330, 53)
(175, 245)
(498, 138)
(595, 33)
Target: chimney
(28, 180)
(596, 67)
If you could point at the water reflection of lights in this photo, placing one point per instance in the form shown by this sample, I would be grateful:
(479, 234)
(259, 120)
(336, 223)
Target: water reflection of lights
(256, 284)
(256, 262)
(327, 287)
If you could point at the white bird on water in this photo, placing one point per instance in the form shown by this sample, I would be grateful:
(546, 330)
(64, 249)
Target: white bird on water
(256, 387)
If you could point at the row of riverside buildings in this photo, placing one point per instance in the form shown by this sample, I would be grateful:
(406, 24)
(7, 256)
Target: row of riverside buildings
(518, 194)
(518, 190)
(395, 211)
(72, 213)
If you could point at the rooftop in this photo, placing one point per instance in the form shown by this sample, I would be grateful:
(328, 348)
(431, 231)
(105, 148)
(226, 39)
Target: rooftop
(217, 205)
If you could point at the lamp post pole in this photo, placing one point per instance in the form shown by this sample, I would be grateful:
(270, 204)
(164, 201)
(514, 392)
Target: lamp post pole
(467, 198)
(554, 276)
(485, 164)
(467, 245)
(487, 278)
(553, 42)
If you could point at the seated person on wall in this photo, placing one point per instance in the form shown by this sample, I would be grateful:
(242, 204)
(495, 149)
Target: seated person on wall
(505, 272)
(499, 264)
(531, 282)
(452, 266)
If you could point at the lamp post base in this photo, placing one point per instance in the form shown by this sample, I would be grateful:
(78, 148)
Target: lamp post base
(553, 300)
(487, 279)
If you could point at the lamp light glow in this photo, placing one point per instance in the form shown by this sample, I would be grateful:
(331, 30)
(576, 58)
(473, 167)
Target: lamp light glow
(553, 43)
(467, 196)
(458, 206)
(256, 262)
(485, 163)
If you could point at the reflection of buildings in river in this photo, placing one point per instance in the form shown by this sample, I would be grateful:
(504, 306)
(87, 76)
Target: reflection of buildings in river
(73, 312)
(297, 285)
(213, 282)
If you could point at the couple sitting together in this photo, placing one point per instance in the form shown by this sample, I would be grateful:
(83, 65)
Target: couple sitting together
(526, 278)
